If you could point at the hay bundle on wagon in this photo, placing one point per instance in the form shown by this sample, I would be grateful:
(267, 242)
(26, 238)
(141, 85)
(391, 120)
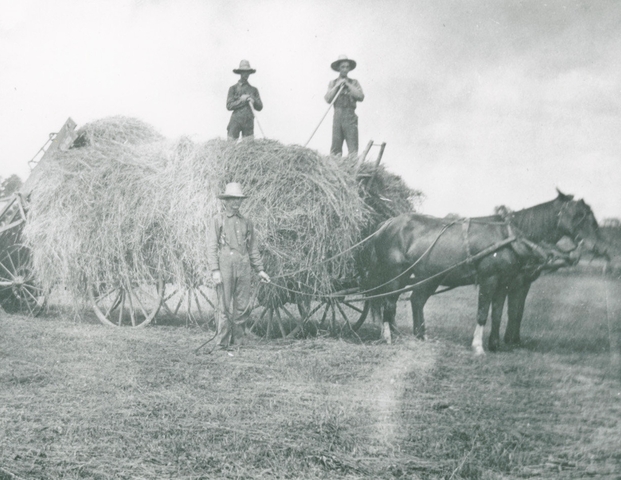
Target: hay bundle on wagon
(125, 211)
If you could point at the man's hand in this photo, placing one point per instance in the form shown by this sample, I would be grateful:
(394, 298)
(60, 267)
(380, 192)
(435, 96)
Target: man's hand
(264, 277)
(216, 276)
(245, 97)
(250, 100)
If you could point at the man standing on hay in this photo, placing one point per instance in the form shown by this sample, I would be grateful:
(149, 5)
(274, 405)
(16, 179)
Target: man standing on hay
(349, 91)
(241, 100)
(231, 252)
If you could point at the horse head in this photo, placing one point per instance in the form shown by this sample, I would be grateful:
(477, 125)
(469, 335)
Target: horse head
(576, 220)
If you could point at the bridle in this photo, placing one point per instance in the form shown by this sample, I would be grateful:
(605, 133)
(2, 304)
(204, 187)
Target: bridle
(574, 227)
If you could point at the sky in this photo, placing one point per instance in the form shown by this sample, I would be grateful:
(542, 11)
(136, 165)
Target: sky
(480, 102)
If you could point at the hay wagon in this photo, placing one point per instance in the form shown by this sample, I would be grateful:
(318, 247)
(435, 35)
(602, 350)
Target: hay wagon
(118, 217)
(19, 292)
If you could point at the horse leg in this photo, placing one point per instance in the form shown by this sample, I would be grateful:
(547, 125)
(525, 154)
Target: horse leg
(515, 311)
(486, 290)
(498, 303)
(418, 298)
(390, 310)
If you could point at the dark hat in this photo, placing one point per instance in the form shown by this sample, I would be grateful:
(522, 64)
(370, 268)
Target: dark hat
(244, 66)
(343, 58)
(232, 190)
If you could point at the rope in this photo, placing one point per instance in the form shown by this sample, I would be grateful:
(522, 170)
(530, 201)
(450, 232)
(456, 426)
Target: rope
(331, 258)
(409, 288)
(364, 292)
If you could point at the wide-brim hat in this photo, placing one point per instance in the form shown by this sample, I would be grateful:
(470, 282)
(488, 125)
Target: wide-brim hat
(232, 190)
(343, 58)
(244, 66)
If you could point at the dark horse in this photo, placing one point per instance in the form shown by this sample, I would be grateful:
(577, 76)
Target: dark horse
(496, 254)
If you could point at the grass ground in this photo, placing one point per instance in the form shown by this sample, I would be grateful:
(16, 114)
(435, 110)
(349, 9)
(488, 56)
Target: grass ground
(78, 400)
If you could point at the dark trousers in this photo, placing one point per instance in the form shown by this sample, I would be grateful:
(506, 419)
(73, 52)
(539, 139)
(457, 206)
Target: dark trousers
(233, 295)
(344, 128)
(240, 123)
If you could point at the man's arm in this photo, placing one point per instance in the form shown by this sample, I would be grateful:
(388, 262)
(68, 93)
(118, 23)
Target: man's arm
(257, 104)
(253, 250)
(355, 90)
(333, 87)
(233, 101)
(213, 233)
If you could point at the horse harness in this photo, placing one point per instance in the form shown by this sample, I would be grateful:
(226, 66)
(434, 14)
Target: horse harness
(470, 262)
(521, 245)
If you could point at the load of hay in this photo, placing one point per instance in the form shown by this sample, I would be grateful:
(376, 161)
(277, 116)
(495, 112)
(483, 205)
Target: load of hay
(126, 204)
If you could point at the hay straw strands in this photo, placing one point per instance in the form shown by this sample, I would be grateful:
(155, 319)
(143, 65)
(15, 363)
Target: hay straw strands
(127, 204)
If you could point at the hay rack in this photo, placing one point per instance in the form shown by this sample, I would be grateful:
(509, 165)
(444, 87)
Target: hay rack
(19, 292)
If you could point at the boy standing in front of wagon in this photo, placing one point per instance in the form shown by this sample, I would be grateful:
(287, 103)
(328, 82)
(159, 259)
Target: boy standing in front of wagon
(241, 100)
(349, 91)
(232, 252)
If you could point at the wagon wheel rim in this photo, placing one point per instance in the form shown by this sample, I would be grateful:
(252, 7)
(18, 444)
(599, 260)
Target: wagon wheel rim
(19, 293)
(364, 313)
(195, 305)
(121, 306)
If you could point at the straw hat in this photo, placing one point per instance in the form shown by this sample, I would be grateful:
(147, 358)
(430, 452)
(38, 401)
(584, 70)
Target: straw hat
(343, 58)
(232, 190)
(244, 66)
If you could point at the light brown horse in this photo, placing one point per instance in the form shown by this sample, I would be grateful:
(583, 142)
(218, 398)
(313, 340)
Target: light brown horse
(424, 250)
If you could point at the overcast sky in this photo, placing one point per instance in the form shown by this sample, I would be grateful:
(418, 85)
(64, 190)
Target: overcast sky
(481, 103)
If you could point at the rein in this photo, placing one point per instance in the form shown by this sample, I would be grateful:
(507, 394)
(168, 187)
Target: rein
(301, 270)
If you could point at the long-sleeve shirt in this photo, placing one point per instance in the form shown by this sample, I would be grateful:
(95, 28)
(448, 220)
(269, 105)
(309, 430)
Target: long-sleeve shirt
(351, 93)
(235, 104)
(233, 232)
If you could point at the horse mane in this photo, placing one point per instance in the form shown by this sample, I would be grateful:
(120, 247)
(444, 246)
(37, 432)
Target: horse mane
(538, 223)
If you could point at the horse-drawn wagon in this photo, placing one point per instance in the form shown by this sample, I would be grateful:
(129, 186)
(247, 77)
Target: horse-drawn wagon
(134, 244)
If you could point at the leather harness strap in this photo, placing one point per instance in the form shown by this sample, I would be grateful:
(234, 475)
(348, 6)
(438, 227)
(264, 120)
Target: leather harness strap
(465, 230)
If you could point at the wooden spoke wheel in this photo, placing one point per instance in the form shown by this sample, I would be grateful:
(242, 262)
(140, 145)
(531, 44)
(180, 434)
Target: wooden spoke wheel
(363, 314)
(196, 305)
(18, 291)
(275, 319)
(123, 306)
(337, 313)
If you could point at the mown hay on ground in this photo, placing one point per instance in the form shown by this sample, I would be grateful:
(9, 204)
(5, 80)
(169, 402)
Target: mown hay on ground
(127, 205)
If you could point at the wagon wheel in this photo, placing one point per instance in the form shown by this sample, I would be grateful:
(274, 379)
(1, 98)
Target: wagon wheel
(332, 311)
(121, 306)
(18, 291)
(335, 309)
(196, 305)
(275, 316)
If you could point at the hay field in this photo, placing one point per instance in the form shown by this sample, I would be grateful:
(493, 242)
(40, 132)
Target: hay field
(78, 400)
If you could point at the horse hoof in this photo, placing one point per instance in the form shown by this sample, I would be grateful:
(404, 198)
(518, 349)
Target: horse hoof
(478, 351)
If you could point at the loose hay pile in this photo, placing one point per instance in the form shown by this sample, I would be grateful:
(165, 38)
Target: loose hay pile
(126, 205)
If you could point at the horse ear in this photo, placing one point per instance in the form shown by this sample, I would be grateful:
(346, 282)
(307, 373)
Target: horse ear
(562, 196)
